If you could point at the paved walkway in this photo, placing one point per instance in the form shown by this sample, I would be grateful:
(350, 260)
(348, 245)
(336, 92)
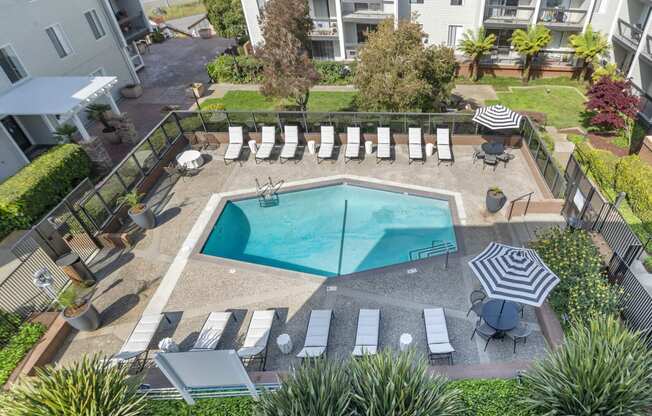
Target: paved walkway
(475, 93)
(563, 148)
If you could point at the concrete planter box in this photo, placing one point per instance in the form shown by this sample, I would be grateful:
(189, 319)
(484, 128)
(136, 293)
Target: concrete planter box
(131, 91)
(111, 135)
(205, 33)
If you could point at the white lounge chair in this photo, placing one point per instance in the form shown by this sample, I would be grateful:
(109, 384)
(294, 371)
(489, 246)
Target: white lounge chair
(327, 143)
(254, 347)
(415, 146)
(234, 149)
(138, 342)
(289, 150)
(352, 143)
(384, 150)
(319, 326)
(211, 331)
(444, 153)
(267, 143)
(437, 335)
(366, 339)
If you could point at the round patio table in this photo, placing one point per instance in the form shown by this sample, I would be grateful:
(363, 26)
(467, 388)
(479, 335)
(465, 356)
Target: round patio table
(500, 321)
(493, 148)
(190, 159)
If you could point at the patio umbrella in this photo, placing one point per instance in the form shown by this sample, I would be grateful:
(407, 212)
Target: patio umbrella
(514, 274)
(497, 117)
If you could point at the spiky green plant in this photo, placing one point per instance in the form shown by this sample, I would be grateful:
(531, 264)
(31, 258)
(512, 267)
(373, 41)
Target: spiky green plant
(589, 46)
(475, 45)
(321, 388)
(602, 369)
(89, 387)
(64, 133)
(529, 43)
(389, 384)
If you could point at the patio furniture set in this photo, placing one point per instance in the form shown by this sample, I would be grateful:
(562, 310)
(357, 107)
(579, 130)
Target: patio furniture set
(491, 154)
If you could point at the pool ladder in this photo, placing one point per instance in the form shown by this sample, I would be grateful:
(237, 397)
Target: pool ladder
(267, 193)
(437, 248)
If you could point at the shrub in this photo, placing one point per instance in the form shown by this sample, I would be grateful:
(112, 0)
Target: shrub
(491, 397)
(601, 163)
(39, 186)
(612, 104)
(91, 386)
(228, 406)
(602, 369)
(634, 177)
(9, 325)
(223, 69)
(335, 73)
(17, 347)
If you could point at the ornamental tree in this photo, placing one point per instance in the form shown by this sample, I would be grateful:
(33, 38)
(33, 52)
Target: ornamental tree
(475, 45)
(227, 18)
(589, 46)
(612, 104)
(529, 43)
(396, 72)
(288, 71)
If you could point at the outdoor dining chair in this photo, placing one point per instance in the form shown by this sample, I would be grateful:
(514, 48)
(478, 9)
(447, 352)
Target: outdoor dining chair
(491, 160)
(484, 331)
(520, 333)
(476, 298)
(478, 153)
(505, 157)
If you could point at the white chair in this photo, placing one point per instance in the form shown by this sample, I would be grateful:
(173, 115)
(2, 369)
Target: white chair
(138, 342)
(234, 149)
(352, 143)
(327, 143)
(384, 150)
(319, 326)
(211, 331)
(267, 143)
(254, 347)
(437, 335)
(415, 147)
(366, 338)
(444, 153)
(289, 150)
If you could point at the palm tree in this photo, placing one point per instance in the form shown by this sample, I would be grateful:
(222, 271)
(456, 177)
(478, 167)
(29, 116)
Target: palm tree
(529, 43)
(589, 46)
(475, 45)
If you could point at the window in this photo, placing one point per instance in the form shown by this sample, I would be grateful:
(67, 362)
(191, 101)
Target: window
(96, 25)
(323, 50)
(11, 65)
(416, 1)
(59, 40)
(457, 2)
(360, 6)
(454, 33)
(16, 133)
(362, 30)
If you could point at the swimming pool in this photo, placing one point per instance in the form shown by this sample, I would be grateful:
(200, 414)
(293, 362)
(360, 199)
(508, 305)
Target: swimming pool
(331, 230)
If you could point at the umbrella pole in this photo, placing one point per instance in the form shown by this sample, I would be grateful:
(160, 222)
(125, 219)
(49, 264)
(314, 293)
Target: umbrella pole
(501, 309)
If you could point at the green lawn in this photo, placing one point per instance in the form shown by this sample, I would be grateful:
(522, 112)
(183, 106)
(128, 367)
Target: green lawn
(253, 100)
(503, 83)
(562, 105)
(179, 10)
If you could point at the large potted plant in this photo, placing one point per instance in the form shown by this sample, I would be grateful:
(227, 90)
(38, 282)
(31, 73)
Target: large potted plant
(77, 308)
(98, 112)
(139, 212)
(496, 199)
(64, 133)
(131, 91)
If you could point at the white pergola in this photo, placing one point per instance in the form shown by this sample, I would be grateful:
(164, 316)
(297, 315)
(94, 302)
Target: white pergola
(63, 97)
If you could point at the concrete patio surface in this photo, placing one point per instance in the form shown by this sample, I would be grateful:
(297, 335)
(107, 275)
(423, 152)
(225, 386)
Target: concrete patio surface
(131, 277)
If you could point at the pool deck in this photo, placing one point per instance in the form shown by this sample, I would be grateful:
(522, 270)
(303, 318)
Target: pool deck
(160, 273)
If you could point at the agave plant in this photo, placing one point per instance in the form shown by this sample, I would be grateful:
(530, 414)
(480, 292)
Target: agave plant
(602, 369)
(89, 387)
(388, 384)
(316, 388)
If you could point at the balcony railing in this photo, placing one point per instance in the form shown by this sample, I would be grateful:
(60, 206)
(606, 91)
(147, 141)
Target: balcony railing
(508, 14)
(560, 16)
(373, 11)
(323, 27)
(630, 35)
(506, 56)
(133, 27)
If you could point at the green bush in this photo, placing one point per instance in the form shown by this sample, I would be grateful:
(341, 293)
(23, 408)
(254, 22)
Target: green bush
(491, 397)
(223, 69)
(17, 347)
(601, 163)
(230, 406)
(602, 369)
(39, 186)
(335, 73)
(583, 293)
(9, 325)
(634, 177)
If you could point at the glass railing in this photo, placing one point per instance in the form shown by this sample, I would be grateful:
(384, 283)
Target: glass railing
(562, 16)
(506, 14)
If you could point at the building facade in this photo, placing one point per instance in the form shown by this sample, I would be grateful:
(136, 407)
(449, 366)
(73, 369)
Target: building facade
(56, 57)
(340, 27)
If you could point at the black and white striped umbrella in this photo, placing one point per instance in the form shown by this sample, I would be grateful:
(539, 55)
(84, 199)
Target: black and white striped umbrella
(514, 274)
(497, 117)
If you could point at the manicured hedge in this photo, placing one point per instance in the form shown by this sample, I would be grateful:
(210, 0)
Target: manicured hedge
(19, 345)
(335, 73)
(493, 397)
(39, 186)
(231, 406)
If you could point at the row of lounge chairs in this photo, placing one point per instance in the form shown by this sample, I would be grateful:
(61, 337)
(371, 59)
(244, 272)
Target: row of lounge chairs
(327, 144)
(255, 345)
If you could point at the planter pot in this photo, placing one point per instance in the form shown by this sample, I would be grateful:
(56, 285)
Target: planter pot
(111, 136)
(131, 91)
(495, 201)
(205, 33)
(197, 88)
(143, 216)
(87, 320)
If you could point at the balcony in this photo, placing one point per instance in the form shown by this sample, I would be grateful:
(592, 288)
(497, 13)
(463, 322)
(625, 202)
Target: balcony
(560, 18)
(364, 12)
(647, 50)
(323, 28)
(507, 16)
(133, 27)
(628, 35)
(504, 55)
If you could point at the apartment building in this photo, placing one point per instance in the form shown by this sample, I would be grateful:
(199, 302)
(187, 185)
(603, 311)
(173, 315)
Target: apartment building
(56, 57)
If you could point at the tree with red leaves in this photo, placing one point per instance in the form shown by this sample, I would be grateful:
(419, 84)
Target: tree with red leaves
(612, 104)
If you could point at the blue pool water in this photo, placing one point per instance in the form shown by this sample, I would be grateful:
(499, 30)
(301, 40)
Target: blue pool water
(331, 230)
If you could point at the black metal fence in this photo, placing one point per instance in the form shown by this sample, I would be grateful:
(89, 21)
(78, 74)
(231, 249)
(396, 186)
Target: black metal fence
(551, 172)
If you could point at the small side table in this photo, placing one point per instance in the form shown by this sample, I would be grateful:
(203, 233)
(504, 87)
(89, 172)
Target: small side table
(430, 149)
(369, 147)
(252, 146)
(404, 342)
(168, 345)
(284, 343)
(312, 147)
